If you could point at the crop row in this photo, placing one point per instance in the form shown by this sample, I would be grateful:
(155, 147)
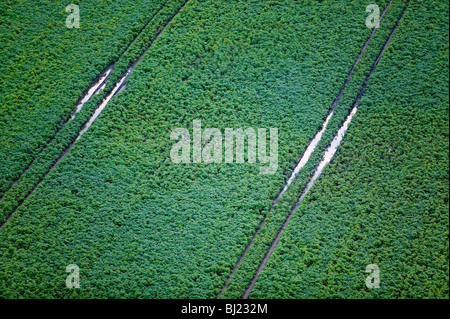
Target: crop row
(140, 226)
(44, 160)
(46, 67)
(277, 216)
(384, 199)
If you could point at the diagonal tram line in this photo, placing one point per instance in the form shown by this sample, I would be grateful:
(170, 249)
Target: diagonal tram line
(304, 158)
(94, 87)
(328, 154)
(119, 84)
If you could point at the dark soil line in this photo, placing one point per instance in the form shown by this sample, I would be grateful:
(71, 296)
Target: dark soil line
(347, 80)
(67, 150)
(227, 283)
(355, 105)
(377, 61)
(94, 82)
(332, 108)
(85, 92)
(130, 70)
(143, 28)
(340, 94)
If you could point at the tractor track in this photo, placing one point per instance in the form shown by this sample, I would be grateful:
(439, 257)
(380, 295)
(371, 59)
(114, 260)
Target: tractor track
(119, 85)
(85, 97)
(327, 158)
(305, 155)
(96, 86)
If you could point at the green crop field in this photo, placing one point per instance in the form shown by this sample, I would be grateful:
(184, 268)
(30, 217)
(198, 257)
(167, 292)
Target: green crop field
(99, 186)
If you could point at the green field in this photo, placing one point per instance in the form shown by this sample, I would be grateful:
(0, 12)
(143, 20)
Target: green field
(46, 66)
(384, 199)
(141, 226)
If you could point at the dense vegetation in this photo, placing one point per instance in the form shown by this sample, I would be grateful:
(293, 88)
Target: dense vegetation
(138, 225)
(132, 220)
(276, 217)
(384, 199)
(45, 67)
(50, 152)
